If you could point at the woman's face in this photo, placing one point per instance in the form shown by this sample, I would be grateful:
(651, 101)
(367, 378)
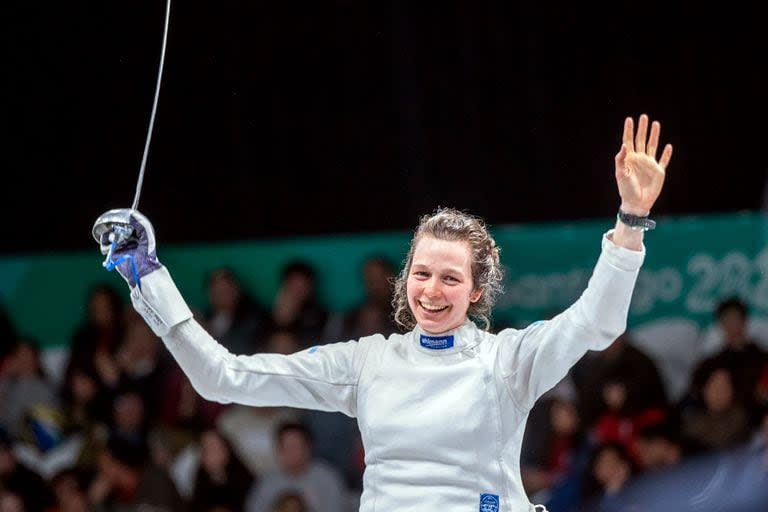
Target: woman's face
(440, 288)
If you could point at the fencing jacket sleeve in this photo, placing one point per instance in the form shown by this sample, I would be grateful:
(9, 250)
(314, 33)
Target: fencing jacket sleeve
(535, 359)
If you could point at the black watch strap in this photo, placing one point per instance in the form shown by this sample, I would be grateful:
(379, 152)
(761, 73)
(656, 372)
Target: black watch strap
(636, 222)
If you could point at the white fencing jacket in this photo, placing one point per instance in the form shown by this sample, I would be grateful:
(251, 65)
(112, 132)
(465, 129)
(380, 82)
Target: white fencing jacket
(442, 418)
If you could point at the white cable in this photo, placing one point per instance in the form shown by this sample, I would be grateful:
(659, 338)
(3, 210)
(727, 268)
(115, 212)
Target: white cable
(154, 109)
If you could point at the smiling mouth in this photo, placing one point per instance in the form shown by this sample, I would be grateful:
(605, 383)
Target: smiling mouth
(431, 308)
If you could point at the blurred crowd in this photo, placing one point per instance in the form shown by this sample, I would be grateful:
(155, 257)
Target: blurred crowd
(119, 427)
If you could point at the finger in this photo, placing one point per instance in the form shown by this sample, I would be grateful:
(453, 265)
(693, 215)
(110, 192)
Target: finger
(620, 157)
(642, 133)
(653, 140)
(628, 135)
(666, 155)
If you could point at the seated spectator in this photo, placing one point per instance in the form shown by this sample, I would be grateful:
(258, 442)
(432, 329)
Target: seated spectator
(740, 356)
(11, 502)
(142, 364)
(129, 418)
(222, 480)
(375, 314)
(644, 387)
(83, 402)
(283, 341)
(610, 471)
(336, 438)
(320, 485)
(184, 413)
(86, 411)
(251, 431)
(24, 386)
(721, 421)
(559, 436)
(658, 446)
(623, 416)
(96, 339)
(126, 480)
(289, 502)
(21, 481)
(296, 306)
(234, 318)
(70, 487)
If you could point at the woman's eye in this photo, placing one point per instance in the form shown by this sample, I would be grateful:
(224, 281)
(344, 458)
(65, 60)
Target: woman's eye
(451, 278)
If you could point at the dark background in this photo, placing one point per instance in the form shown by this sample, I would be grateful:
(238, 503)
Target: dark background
(285, 118)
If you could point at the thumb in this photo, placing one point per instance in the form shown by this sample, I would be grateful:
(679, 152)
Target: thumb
(621, 155)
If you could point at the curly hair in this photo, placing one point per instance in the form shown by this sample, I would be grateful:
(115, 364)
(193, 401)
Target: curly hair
(487, 274)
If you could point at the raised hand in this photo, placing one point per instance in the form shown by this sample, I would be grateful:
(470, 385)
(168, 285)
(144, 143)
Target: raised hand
(639, 175)
(134, 257)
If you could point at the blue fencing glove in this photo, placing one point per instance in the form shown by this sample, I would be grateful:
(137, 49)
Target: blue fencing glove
(127, 239)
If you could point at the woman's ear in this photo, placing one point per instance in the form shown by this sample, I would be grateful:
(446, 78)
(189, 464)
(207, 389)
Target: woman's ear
(475, 296)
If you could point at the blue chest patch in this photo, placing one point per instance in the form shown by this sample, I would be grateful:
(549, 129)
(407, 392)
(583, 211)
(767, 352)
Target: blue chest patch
(489, 503)
(436, 342)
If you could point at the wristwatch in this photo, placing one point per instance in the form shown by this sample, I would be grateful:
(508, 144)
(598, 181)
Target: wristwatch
(636, 222)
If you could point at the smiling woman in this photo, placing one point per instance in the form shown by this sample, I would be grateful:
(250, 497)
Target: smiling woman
(441, 408)
(452, 270)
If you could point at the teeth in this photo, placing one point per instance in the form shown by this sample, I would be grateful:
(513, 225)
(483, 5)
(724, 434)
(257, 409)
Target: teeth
(430, 307)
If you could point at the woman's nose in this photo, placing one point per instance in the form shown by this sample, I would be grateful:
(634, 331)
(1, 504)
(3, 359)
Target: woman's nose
(432, 288)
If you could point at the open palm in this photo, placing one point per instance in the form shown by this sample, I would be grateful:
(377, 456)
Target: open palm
(639, 175)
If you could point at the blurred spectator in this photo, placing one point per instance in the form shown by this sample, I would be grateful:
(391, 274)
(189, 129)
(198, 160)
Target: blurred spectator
(10, 502)
(83, 402)
(126, 480)
(740, 356)
(643, 387)
(23, 388)
(336, 438)
(674, 344)
(658, 446)
(375, 314)
(70, 486)
(320, 485)
(296, 306)
(86, 411)
(622, 415)
(222, 479)
(142, 367)
(610, 471)
(96, 339)
(559, 440)
(722, 421)
(283, 341)
(734, 480)
(129, 419)
(234, 318)
(184, 413)
(289, 502)
(251, 431)
(16, 478)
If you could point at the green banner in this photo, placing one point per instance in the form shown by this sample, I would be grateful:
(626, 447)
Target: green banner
(692, 262)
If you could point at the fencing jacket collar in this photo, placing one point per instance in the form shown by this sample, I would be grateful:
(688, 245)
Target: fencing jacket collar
(456, 340)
